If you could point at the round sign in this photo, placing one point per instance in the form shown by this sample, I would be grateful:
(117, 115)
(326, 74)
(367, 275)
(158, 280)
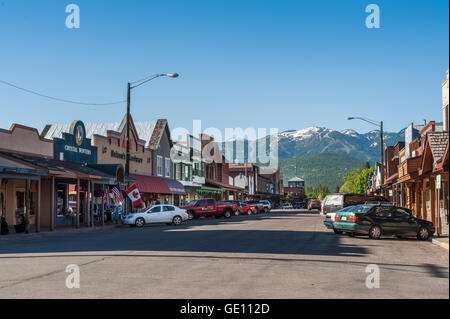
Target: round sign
(79, 132)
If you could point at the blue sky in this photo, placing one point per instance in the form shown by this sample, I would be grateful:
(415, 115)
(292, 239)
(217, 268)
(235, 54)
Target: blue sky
(243, 63)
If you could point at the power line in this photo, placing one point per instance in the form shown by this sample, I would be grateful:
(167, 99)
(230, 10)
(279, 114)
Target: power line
(59, 99)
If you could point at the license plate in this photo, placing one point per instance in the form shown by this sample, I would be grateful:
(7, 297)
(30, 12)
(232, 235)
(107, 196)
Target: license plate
(343, 218)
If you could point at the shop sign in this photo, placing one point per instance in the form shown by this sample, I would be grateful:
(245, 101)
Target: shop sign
(74, 146)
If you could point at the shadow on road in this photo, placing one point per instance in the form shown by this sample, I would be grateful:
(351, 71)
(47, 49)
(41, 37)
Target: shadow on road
(190, 237)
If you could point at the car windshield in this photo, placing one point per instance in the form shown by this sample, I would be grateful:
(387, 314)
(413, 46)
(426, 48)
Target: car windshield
(191, 203)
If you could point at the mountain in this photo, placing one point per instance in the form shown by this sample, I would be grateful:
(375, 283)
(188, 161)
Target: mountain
(316, 140)
(325, 169)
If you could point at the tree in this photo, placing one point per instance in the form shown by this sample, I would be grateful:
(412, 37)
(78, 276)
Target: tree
(349, 181)
(360, 184)
(290, 197)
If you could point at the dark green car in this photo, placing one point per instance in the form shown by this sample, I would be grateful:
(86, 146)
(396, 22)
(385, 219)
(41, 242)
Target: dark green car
(377, 220)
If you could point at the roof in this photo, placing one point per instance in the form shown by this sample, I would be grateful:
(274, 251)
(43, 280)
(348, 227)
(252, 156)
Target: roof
(438, 143)
(57, 165)
(144, 129)
(152, 132)
(296, 179)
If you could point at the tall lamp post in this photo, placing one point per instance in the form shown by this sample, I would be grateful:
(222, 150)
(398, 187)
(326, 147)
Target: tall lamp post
(131, 86)
(380, 126)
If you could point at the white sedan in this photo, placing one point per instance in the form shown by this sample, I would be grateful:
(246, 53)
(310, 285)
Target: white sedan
(157, 214)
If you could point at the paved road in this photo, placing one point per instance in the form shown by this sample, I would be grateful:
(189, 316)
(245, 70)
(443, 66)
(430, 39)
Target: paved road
(276, 255)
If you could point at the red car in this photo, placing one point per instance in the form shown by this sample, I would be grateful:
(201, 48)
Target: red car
(209, 207)
(247, 209)
(314, 203)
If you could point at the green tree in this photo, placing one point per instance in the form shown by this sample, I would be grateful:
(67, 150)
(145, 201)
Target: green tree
(290, 197)
(360, 184)
(349, 181)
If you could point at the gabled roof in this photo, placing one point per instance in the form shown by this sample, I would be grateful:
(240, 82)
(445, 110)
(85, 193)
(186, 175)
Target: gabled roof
(152, 132)
(56, 130)
(438, 143)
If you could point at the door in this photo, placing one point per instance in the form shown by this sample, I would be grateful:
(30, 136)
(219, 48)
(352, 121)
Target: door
(382, 216)
(154, 215)
(211, 207)
(168, 213)
(405, 225)
(201, 208)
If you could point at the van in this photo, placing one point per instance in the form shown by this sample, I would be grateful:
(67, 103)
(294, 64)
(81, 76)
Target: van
(335, 202)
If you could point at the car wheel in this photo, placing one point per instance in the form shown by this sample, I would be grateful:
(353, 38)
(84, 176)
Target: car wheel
(191, 215)
(249, 212)
(351, 234)
(337, 231)
(177, 220)
(423, 233)
(237, 213)
(266, 210)
(140, 222)
(227, 214)
(375, 232)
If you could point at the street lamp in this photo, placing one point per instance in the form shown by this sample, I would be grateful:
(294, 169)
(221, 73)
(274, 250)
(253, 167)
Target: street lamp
(129, 87)
(380, 126)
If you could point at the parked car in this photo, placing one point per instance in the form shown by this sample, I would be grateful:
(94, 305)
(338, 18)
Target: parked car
(247, 209)
(267, 205)
(299, 205)
(377, 220)
(238, 203)
(259, 206)
(287, 206)
(335, 202)
(156, 214)
(209, 207)
(330, 217)
(314, 203)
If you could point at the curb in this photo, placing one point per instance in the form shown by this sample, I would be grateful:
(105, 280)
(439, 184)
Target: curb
(55, 233)
(437, 242)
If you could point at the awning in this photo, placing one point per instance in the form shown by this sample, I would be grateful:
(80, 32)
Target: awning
(207, 189)
(157, 185)
(175, 187)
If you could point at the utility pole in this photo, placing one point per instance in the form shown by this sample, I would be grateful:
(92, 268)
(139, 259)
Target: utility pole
(382, 143)
(127, 163)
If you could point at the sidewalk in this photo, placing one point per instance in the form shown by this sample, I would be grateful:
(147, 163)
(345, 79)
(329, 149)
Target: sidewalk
(57, 231)
(440, 241)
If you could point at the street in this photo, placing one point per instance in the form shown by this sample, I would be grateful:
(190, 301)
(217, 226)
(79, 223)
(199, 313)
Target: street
(277, 255)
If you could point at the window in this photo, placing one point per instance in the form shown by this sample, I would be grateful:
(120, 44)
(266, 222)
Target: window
(383, 212)
(178, 171)
(155, 209)
(400, 213)
(159, 165)
(201, 203)
(168, 208)
(186, 172)
(167, 167)
(210, 202)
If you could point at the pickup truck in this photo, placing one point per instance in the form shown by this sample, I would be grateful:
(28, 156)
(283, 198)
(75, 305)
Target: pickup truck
(209, 207)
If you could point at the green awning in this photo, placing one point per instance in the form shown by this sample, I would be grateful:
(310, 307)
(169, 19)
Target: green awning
(207, 189)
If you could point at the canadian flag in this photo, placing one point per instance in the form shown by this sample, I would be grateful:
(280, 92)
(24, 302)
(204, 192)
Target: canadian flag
(134, 195)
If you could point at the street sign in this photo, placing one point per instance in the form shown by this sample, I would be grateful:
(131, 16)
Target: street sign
(438, 182)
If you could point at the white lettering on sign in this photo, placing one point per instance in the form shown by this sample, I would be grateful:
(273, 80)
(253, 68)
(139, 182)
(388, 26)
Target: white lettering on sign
(71, 148)
(77, 150)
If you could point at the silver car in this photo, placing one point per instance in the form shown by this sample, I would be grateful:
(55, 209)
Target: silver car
(157, 214)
